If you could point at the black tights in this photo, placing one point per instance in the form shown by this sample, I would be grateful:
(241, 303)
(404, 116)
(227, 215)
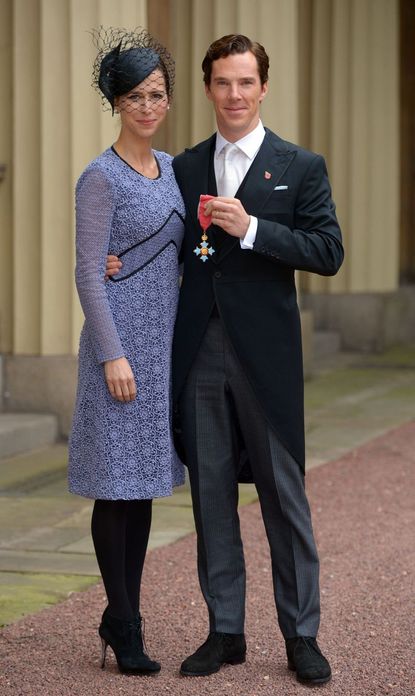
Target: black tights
(120, 531)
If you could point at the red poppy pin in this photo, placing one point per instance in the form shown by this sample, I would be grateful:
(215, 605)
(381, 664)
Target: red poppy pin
(267, 175)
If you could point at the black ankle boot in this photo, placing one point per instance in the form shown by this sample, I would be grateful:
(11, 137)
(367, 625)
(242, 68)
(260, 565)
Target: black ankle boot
(219, 649)
(126, 640)
(306, 659)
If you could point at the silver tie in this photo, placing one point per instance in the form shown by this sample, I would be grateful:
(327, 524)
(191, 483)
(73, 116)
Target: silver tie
(229, 181)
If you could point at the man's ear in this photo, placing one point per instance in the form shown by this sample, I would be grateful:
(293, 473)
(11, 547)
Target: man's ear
(207, 92)
(264, 91)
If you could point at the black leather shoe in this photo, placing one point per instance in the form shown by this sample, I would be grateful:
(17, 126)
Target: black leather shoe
(219, 649)
(306, 659)
(126, 640)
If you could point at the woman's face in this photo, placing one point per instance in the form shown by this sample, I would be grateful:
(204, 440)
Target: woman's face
(144, 108)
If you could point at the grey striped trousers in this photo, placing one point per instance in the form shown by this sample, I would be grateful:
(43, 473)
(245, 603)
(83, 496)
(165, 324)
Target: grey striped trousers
(220, 414)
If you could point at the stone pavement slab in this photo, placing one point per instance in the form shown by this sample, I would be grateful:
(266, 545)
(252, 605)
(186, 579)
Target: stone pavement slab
(37, 591)
(21, 472)
(24, 431)
(350, 405)
(49, 562)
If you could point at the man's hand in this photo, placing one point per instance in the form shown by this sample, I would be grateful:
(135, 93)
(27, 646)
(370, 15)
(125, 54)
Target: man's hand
(120, 379)
(229, 214)
(112, 267)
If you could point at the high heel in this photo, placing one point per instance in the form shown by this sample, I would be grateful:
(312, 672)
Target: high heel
(126, 641)
(104, 646)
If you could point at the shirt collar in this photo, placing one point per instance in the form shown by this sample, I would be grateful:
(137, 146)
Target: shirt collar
(249, 144)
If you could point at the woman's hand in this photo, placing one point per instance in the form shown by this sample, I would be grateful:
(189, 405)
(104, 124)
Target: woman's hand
(120, 379)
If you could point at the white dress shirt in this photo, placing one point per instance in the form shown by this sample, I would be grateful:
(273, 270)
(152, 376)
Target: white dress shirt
(242, 158)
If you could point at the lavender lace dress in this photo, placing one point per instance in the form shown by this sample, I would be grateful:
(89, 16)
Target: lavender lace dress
(124, 450)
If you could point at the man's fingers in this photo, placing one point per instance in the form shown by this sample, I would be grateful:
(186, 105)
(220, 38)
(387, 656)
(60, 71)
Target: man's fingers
(222, 202)
(223, 199)
(230, 207)
(112, 267)
(111, 271)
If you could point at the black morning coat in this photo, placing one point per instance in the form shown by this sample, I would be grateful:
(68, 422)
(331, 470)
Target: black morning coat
(255, 290)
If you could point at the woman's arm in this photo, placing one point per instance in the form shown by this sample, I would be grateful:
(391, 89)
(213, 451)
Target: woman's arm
(95, 205)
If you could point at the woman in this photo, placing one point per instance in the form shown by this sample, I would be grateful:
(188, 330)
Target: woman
(121, 452)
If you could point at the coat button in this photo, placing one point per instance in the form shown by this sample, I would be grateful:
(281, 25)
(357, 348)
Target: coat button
(218, 274)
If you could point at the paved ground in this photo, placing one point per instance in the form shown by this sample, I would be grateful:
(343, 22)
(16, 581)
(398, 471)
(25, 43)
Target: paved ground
(359, 502)
(45, 544)
(364, 519)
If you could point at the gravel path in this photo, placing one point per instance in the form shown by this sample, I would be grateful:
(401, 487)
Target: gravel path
(364, 519)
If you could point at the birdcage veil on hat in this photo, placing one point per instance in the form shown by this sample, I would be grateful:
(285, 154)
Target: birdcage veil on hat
(125, 59)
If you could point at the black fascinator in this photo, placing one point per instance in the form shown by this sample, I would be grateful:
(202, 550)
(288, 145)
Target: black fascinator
(125, 59)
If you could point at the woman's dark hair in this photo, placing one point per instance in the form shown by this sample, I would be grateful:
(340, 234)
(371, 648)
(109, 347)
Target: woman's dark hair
(229, 45)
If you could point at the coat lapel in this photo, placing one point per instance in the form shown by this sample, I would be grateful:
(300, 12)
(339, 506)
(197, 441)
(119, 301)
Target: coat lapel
(198, 177)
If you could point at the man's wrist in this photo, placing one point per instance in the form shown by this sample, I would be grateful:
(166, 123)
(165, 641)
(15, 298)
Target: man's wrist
(248, 241)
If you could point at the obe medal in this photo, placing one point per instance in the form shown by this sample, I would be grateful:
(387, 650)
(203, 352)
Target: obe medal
(203, 249)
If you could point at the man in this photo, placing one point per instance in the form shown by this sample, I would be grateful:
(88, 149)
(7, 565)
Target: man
(237, 363)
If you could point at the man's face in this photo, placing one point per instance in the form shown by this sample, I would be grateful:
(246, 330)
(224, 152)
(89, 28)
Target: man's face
(236, 92)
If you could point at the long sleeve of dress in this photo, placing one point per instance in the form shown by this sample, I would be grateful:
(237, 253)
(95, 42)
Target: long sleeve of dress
(95, 203)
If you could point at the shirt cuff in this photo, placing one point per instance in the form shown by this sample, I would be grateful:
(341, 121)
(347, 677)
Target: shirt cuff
(249, 240)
